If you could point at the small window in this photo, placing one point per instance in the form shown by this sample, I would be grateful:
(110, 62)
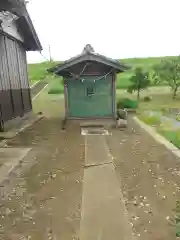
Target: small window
(90, 91)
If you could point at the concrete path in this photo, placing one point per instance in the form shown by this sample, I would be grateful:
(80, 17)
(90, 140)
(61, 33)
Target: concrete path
(104, 216)
(96, 151)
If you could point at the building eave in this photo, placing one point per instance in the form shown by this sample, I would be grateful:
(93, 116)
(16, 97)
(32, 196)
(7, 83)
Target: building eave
(24, 23)
(117, 66)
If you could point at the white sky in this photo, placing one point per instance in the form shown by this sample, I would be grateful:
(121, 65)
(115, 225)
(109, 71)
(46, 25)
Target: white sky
(115, 28)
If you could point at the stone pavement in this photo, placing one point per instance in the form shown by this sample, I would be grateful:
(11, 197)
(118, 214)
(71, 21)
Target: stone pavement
(103, 210)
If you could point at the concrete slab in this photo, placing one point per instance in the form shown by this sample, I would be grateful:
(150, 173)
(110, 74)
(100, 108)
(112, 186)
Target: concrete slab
(96, 151)
(103, 211)
(94, 131)
(9, 159)
(103, 215)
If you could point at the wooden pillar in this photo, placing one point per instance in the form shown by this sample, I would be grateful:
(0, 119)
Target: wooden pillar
(114, 93)
(65, 98)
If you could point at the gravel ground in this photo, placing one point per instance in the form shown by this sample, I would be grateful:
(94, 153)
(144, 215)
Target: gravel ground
(42, 198)
(149, 176)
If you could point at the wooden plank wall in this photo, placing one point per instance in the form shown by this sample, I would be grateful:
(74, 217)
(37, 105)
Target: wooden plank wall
(14, 86)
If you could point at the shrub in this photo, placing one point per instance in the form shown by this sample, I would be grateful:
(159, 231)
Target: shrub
(122, 114)
(126, 103)
(147, 99)
(178, 117)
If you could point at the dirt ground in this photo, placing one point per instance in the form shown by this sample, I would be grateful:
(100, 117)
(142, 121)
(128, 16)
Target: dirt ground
(42, 198)
(149, 177)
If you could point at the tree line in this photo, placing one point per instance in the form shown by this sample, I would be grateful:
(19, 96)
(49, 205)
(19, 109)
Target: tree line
(167, 72)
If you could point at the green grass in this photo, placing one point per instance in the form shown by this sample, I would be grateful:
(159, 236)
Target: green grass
(38, 71)
(172, 136)
(56, 87)
(151, 120)
(146, 63)
(161, 100)
(51, 105)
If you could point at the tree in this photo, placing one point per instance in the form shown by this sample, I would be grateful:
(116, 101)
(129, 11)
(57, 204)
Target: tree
(139, 81)
(168, 72)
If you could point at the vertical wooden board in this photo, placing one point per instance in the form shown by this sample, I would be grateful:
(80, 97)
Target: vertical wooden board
(24, 79)
(6, 98)
(114, 93)
(20, 75)
(14, 77)
(76, 95)
(98, 104)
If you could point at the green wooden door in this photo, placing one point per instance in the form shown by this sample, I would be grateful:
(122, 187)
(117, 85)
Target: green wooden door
(90, 98)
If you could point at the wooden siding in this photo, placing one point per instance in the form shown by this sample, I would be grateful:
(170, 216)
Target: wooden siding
(14, 96)
(99, 104)
(25, 88)
(5, 95)
(14, 77)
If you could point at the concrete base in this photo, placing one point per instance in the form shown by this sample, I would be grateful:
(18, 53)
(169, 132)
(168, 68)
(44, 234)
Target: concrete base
(94, 122)
(9, 159)
(18, 125)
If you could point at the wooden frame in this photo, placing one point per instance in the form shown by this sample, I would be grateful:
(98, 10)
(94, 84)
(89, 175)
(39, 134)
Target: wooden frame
(65, 98)
(114, 93)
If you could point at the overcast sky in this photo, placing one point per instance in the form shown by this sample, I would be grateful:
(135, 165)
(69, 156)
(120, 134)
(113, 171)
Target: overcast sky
(116, 28)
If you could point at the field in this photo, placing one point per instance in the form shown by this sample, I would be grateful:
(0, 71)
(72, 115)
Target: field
(39, 71)
(146, 63)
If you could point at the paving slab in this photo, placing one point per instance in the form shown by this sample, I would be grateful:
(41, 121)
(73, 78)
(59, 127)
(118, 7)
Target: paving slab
(103, 215)
(96, 151)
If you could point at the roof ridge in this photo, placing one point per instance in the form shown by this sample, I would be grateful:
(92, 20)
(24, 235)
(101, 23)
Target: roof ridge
(88, 49)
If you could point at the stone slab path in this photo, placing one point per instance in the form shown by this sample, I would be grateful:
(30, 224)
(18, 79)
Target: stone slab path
(103, 210)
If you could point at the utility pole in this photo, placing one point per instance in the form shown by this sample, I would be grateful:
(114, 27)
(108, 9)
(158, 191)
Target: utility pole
(50, 57)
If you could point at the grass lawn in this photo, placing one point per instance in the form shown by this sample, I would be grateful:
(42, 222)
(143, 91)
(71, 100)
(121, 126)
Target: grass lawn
(38, 71)
(50, 105)
(161, 102)
(161, 98)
